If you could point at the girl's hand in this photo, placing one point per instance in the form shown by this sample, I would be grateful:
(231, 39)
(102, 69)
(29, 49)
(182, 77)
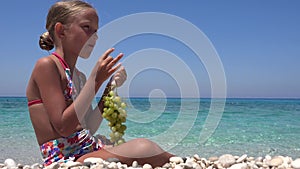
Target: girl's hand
(106, 66)
(119, 77)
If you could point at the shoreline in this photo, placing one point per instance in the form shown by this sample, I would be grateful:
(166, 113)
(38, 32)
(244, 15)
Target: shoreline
(190, 162)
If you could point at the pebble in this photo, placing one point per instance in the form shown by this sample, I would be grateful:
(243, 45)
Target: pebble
(93, 160)
(213, 159)
(275, 162)
(176, 160)
(194, 162)
(241, 159)
(52, 166)
(10, 163)
(239, 166)
(113, 160)
(147, 166)
(135, 164)
(296, 163)
(227, 160)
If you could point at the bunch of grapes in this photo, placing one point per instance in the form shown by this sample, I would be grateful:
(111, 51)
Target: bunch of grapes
(114, 112)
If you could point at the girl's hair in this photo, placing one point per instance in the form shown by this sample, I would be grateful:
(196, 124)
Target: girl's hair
(60, 12)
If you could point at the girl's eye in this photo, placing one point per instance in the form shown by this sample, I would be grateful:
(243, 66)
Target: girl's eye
(86, 27)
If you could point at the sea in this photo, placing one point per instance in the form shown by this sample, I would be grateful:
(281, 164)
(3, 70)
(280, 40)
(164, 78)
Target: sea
(204, 126)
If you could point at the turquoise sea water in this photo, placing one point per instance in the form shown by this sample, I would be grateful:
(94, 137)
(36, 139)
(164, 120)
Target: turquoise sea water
(256, 127)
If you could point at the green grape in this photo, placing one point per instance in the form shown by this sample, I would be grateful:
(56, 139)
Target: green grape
(117, 99)
(123, 105)
(114, 112)
(112, 93)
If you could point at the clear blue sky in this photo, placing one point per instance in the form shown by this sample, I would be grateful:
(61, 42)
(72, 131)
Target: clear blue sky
(258, 43)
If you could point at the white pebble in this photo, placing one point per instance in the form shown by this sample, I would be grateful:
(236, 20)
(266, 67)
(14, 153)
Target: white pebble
(268, 157)
(96, 166)
(178, 167)
(275, 162)
(54, 165)
(135, 164)
(112, 165)
(26, 167)
(196, 166)
(227, 160)
(296, 163)
(94, 160)
(176, 160)
(242, 158)
(10, 163)
(196, 156)
(35, 166)
(239, 166)
(71, 164)
(147, 166)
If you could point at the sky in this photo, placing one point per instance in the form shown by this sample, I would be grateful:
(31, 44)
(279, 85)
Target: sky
(256, 45)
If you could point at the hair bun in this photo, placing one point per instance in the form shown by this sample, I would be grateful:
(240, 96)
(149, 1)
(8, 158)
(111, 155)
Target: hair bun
(46, 42)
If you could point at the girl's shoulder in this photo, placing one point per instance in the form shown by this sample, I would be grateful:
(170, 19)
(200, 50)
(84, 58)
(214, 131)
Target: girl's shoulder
(45, 65)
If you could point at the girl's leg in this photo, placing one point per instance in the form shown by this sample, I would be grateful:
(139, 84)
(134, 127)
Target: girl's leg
(140, 150)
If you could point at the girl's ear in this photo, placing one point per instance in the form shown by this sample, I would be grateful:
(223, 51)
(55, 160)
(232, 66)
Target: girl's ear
(59, 30)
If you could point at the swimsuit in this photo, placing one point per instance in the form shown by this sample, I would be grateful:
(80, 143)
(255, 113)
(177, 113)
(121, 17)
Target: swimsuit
(70, 87)
(77, 144)
(64, 149)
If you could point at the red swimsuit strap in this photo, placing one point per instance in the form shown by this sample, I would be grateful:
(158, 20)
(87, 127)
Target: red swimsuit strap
(34, 102)
(61, 60)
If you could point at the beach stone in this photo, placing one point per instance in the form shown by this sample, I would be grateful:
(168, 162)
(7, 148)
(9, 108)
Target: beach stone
(296, 163)
(250, 158)
(242, 158)
(275, 162)
(71, 164)
(113, 160)
(135, 164)
(268, 157)
(97, 166)
(87, 164)
(196, 166)
(210, 167)
(189, 160)
(178, 167)
(93, 160)
(259, 159)
(167, 165)
(188, 165)
(54, 165)
(26, 167)
(36, 166)
(213, 159)
(112, 165)
(239, 166)
(227, 160)
(287, 160)
(196, 156)
(121, 166)
(147, 166)
(253, 166)
(176, 160)
(10, 163)
(20, 166)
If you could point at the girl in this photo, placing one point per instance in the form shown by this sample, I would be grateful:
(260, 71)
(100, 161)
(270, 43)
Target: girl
(59, 96)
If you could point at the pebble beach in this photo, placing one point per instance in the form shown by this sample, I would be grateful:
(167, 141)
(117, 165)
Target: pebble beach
(192, 162)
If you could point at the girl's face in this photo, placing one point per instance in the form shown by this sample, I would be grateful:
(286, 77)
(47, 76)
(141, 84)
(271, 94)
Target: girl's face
(80, 29)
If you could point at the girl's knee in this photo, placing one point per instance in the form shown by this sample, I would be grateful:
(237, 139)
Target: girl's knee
(145, 144)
